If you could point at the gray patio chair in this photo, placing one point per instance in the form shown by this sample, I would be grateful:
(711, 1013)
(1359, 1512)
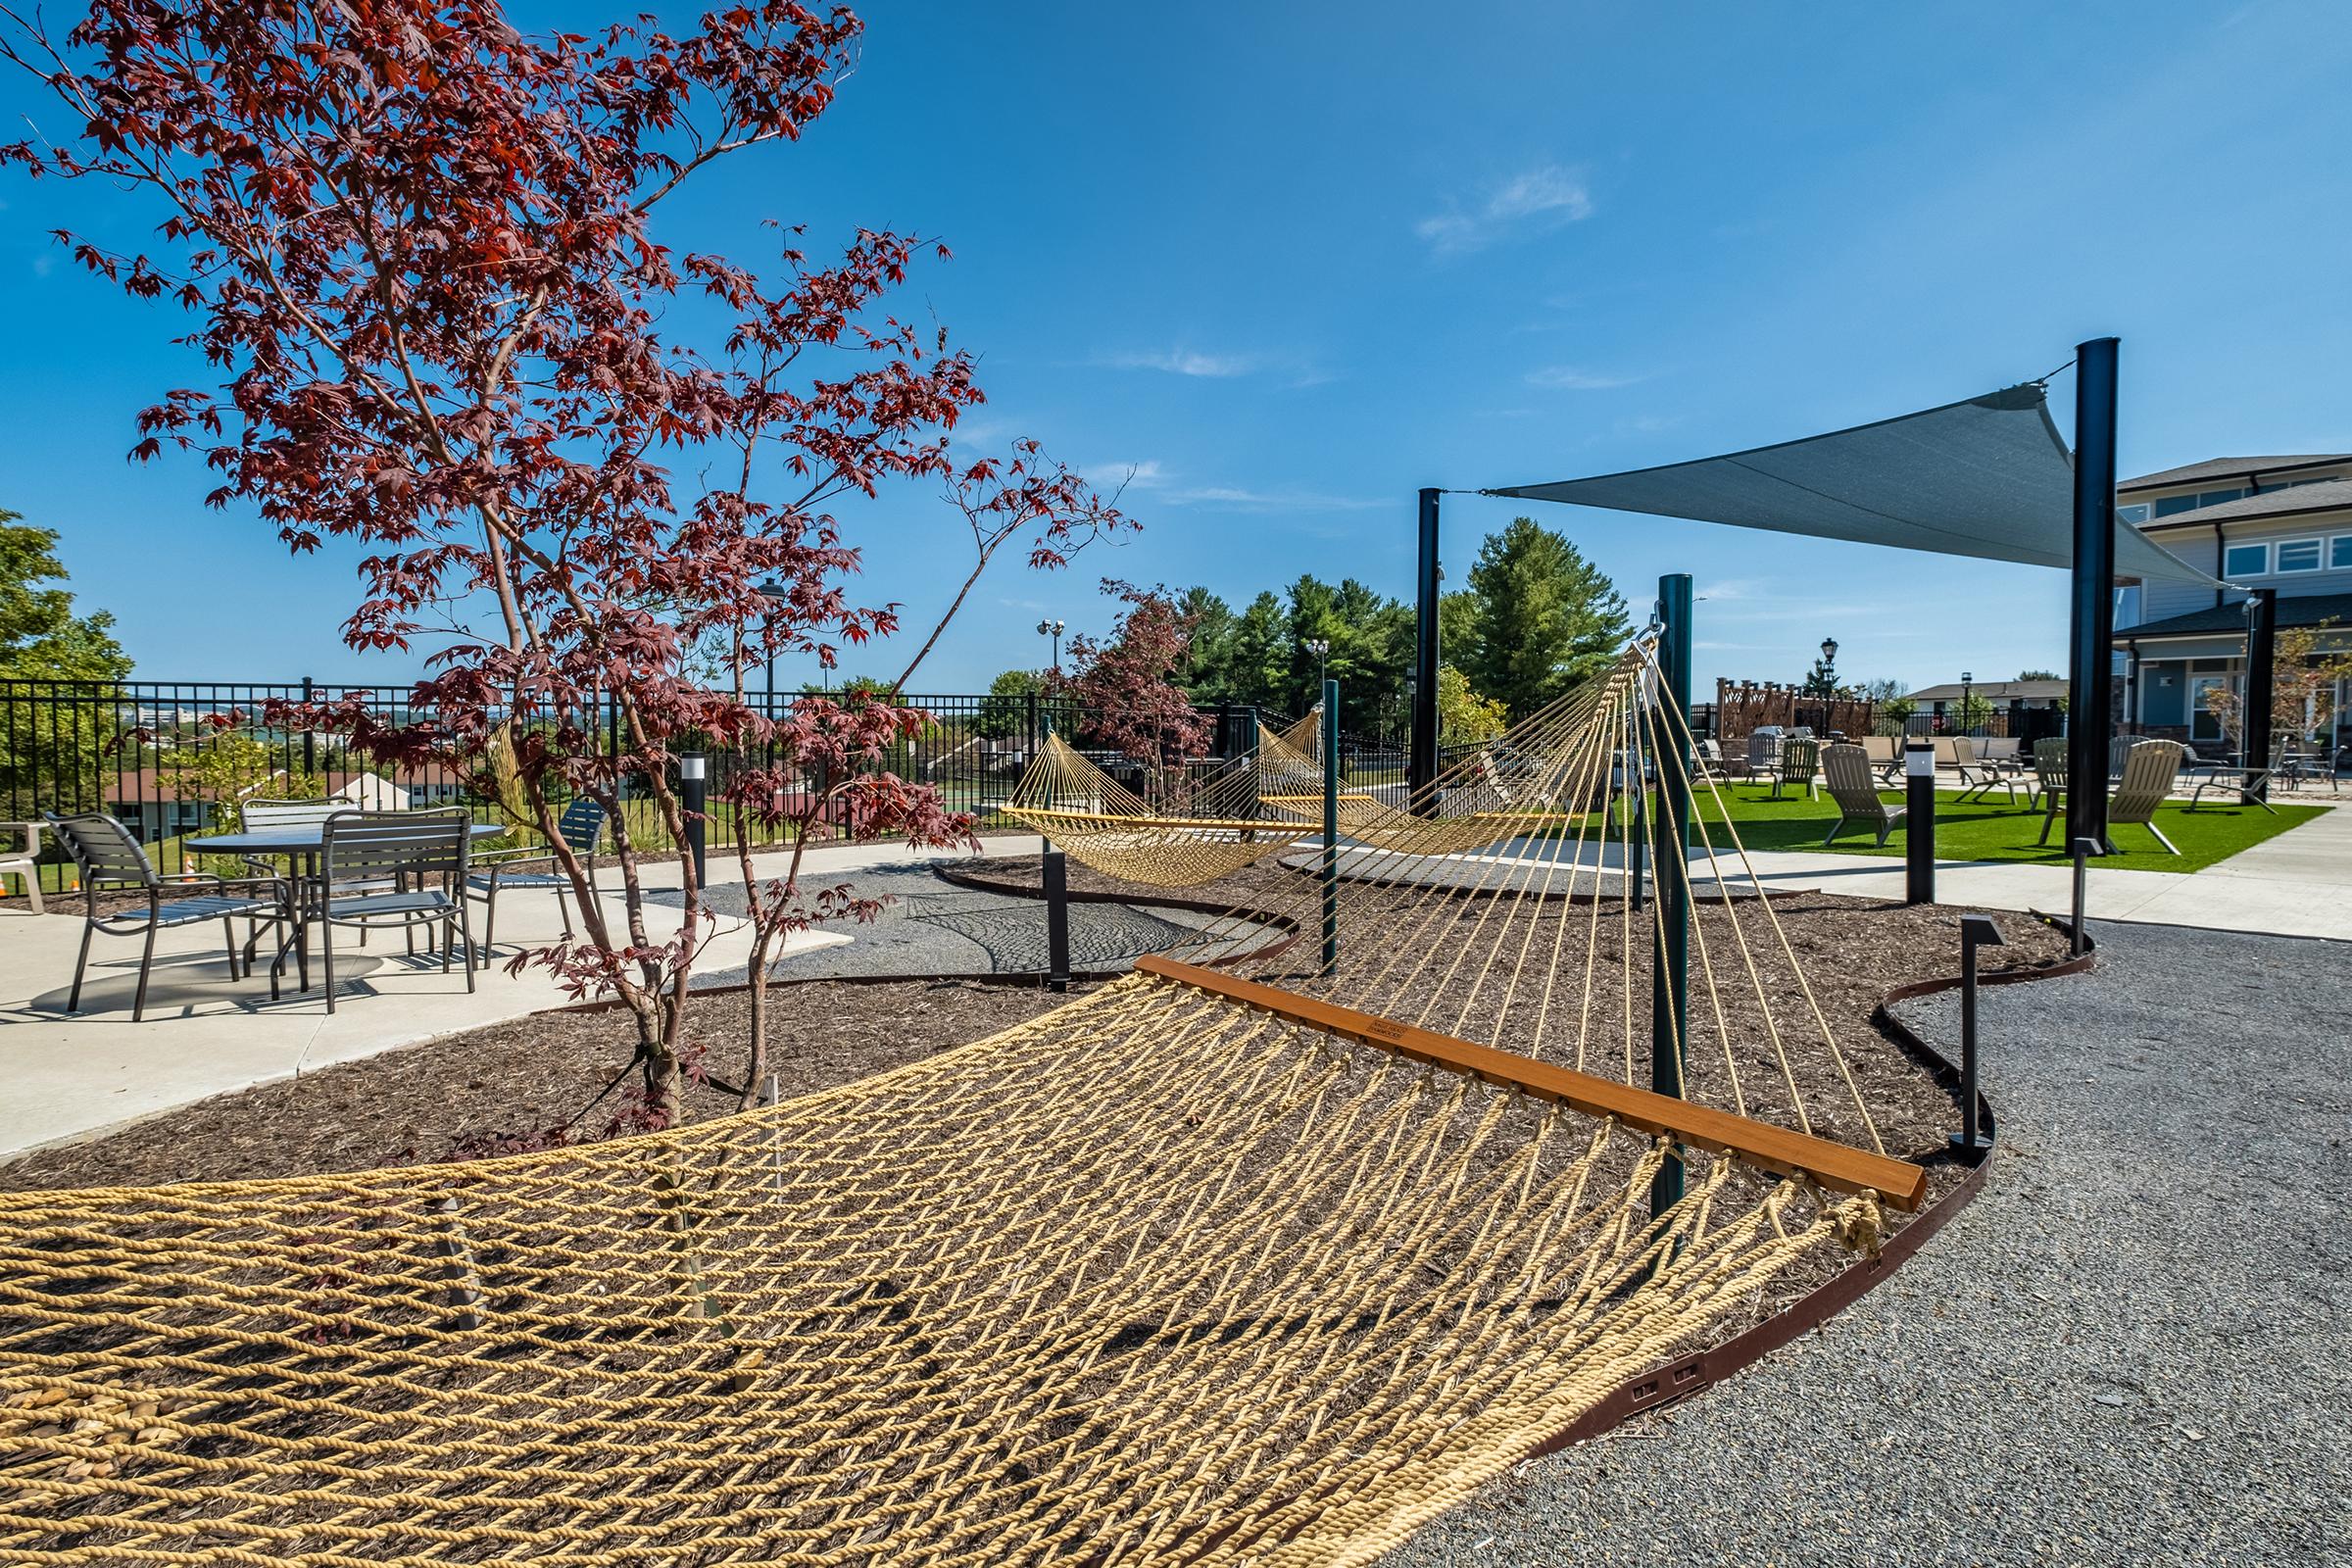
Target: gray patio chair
(2233, 778)
(110, 860)
(1847, 771)
(2148, 775)
(23, 863)
(1763, 753)
(580, 826)
(1800, 764)
(405, 869)
(1886, 755)
(260, 817)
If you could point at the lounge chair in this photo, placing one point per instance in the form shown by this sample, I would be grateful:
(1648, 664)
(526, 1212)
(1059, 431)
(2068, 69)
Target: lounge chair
(1800, 764)
(580, 826)
(1980, 776)
(1847, 771)
(2148, 775)
(1886, 755)
(110, 860)
(1763, 753)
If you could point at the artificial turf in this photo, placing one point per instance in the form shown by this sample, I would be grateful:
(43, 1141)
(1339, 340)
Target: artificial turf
(1996, 830)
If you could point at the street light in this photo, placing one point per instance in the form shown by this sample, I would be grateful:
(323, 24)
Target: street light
(773, 592)
(1053, 629)
(1320, 647)
(1829, 678)
(1966, 681)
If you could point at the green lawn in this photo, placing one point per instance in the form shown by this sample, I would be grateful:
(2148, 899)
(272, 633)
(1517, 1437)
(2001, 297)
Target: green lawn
(1996, 830)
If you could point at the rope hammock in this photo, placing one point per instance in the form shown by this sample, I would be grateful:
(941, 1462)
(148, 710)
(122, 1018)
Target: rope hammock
(1265, 1262)
(1116, 831)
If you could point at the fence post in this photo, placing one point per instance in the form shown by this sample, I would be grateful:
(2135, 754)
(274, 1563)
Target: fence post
(310, 740)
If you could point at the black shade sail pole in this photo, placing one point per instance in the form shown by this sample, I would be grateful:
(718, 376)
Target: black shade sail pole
(1670, 841)
(1421, 766)
(2090, 702)
(2262, 673)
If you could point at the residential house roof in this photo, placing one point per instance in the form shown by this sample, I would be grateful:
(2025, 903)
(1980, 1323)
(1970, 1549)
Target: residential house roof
(2302, 609)
(2231, 469)
(1994, 691)
(165, 784)
(2326, 495)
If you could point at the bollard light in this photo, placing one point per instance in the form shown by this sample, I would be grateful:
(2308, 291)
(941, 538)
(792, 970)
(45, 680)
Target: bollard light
(1970, 1143)
(1919, 822)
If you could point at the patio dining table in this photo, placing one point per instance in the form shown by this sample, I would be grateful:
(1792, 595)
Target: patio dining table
(300, 843)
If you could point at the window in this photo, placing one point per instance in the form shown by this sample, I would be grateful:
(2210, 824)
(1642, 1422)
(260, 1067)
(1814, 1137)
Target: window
(2299, 555)
(2339, 551)
(2173, 506)
(2246, 561)
(2133, 515)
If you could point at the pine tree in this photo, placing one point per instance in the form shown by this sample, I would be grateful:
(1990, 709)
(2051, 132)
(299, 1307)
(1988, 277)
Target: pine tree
(1546, 618)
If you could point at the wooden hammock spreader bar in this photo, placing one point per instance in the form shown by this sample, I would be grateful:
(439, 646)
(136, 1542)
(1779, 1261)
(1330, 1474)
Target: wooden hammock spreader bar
(1773, 1148)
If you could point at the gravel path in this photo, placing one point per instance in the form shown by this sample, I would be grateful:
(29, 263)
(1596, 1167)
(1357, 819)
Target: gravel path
(2135, 1347)
(931, 927)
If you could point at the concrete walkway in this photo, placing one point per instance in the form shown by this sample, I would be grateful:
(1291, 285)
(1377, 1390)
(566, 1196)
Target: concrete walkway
(72, 1074)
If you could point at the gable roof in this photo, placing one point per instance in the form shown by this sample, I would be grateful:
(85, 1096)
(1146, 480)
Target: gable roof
(2231, 469)
(1994, 691)
(2326, 495)
(2304, 610)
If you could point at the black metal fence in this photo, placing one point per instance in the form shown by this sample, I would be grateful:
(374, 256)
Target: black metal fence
(153, 754)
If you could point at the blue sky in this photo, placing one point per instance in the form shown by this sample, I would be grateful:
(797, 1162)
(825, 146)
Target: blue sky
(1290, 264)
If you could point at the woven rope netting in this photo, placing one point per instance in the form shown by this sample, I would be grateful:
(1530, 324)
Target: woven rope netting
(1116, 831)
(1156, 1276)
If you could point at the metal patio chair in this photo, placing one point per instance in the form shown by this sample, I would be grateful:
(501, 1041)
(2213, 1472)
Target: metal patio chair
(260, 817)
(1847, 771)
(580, 826)
(2233, 777)
(1800, 764)
(405, 869)
(110, 860)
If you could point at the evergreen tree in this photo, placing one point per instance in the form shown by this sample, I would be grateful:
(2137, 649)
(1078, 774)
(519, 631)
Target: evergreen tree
(1544, 619)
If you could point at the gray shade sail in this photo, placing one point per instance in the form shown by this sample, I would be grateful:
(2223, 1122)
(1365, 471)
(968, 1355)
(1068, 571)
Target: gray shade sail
(1990, 477)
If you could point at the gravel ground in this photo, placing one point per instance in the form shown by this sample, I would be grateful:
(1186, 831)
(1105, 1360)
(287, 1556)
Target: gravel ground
(2135, 1347)
(933, 927)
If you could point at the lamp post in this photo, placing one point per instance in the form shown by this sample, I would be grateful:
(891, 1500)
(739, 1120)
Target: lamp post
(1320, 647)
(1966, 681)
(1053, 629)
(1829, 679)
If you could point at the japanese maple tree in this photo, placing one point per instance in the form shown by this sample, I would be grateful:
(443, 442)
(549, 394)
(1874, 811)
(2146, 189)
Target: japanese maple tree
(1126, 682)
(417, 248)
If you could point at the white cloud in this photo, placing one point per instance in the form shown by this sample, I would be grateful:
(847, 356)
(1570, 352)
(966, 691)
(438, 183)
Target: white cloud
(1237, 498)
(1143, 474)
(1569, 379)
(1548, 196)
(1187, 362)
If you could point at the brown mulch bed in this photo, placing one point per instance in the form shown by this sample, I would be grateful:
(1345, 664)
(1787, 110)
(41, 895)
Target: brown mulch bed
(455, 1097)
(423, 1102)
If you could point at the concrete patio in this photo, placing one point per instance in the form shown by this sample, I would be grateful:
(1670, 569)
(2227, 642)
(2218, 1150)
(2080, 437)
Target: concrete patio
(72, 1074)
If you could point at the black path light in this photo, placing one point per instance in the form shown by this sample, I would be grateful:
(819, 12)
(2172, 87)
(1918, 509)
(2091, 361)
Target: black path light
(1971, 1142)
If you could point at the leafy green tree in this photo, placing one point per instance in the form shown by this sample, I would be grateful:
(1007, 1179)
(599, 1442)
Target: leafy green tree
(1006, 711)
(1463, 717)
(41, 638)
(2039, 674)
(1544, 619)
